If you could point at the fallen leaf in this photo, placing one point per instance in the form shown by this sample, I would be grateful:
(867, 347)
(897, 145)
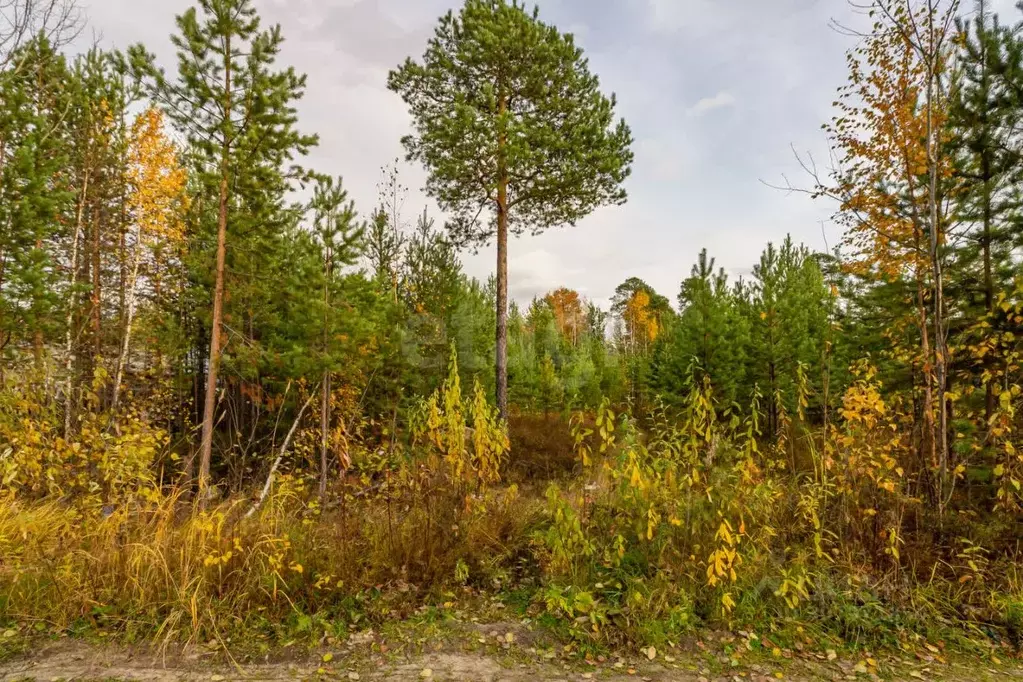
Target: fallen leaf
(426, 673)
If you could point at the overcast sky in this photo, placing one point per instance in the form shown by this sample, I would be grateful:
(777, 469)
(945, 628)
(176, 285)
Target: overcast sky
(717, 92)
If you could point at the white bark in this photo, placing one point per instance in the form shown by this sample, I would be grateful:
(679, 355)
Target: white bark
(129, 318)
(69, 358)
(280, 457)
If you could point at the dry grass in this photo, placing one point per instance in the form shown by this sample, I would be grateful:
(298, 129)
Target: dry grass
(162, 569)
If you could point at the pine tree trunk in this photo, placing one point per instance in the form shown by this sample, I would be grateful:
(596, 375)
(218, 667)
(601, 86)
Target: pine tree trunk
(985, 175)
(501, 348)
(940, 345)
(324, 426)
(210, 398)
(989, 284)
(325, 398)
(989, 306)
(123, 236)
(210, 402)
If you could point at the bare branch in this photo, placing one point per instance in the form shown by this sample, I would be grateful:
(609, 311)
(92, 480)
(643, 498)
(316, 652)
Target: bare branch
(280, 455)
(58, 21)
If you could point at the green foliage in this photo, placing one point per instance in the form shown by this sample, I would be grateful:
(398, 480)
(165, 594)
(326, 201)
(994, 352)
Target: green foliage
(790, 321)
(710, 332)
(534, 146)
(34, 195)
(542, 120)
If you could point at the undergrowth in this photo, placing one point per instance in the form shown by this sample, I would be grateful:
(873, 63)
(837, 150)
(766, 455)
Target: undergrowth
(693, 520)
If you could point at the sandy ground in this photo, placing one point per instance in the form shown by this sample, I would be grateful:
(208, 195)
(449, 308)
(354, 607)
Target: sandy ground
(70, 660)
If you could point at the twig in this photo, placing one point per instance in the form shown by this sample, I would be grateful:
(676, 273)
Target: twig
(280, 456)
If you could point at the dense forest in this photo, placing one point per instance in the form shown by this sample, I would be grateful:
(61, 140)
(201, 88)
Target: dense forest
(231, 400)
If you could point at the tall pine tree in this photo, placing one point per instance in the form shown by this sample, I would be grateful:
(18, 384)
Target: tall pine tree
(238, 113)
(511, 125)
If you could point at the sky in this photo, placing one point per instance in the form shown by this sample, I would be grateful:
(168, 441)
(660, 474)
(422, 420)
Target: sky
(719, 95)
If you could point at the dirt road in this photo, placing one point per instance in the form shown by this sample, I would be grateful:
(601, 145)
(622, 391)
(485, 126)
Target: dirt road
(70, 660)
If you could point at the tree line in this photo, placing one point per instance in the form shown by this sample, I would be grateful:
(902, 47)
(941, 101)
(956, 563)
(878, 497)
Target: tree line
(157, 254)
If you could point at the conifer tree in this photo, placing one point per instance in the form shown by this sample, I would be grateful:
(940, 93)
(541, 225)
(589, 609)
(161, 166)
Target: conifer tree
(34, 194)
(788, 323)
(431, 285)
(340, 238)
(238, 113)
(710, 335)
(384, 248)
(511, 125)
(983, 119)
(93, 251)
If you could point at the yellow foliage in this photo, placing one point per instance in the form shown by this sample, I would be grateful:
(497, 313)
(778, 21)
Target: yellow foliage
(568, 313)
(95, 466)
(473, 462)
(156, 181)
(641, 324)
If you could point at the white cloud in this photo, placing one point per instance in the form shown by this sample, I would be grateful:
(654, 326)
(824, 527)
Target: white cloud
(669, 16)
(719, 101)
(538, 272)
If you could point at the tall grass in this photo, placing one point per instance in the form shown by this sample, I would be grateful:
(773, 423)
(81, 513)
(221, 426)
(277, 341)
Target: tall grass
(164, 569)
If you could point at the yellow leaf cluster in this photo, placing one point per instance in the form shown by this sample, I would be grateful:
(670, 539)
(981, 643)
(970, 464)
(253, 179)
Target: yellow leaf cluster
(157, 182)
